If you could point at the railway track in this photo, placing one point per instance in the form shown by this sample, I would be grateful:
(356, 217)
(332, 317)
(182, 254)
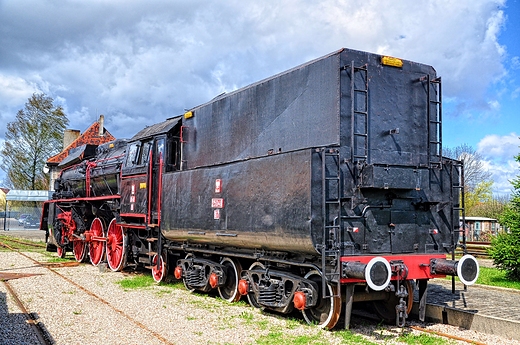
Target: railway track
(44, 336)
(18, 244)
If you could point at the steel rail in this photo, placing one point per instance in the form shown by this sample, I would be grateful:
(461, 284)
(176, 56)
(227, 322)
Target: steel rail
(30, 244)
(446, 335)
(43, 337)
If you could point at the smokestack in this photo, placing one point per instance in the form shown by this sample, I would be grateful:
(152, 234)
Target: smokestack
(101, 125)
(69, 136)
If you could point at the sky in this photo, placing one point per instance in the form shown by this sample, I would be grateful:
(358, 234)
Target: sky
(140, 62)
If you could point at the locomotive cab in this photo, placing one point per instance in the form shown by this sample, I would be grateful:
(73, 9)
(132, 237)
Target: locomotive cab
(152, 152)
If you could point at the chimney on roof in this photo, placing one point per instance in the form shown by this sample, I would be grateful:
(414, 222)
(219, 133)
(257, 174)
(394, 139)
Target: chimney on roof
(101, 125)
(69, 136)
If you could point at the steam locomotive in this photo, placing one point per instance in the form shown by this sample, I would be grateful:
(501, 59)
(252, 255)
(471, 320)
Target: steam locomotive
(313, 189)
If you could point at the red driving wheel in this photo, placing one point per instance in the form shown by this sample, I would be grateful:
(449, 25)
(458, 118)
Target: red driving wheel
(97, 247)
(116, 248)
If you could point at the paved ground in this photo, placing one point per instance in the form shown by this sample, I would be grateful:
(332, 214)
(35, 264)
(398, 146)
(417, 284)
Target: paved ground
(484, 300)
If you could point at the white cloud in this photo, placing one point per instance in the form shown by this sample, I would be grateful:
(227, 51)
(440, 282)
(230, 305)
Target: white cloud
(499, 152)
(139, 62)
(159, 58)
(499, 147)
(15, 90)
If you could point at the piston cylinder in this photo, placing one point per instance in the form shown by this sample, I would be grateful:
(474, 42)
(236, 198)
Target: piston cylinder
(377, 272)
(467, 268)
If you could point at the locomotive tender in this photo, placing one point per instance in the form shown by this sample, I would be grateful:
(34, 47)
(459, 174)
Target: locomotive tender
(312, 189)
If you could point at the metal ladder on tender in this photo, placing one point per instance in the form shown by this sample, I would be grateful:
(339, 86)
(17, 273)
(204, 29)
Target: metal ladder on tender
(434, 121)
(331, 212)
(359, 114)
(456, 212)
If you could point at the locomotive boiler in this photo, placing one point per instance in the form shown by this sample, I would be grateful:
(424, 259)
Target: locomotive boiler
(313, 189)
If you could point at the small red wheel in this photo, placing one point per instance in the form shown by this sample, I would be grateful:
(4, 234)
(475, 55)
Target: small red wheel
(158, 270)
(116, 246)
(79, 248)
(61, 251)
(96, 248)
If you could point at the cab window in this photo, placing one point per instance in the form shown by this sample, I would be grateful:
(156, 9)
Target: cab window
(145, 153)
(132, 156)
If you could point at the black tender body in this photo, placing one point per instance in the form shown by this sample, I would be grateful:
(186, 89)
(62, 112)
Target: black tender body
(268, 141)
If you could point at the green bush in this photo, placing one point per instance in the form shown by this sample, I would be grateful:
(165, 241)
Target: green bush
(505, 252)
(505, 248)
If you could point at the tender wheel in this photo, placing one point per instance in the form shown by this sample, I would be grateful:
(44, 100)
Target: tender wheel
(79, 248)
(96, 248)
(251, 296)
(327, 311)
(61, 251)
(158, 270)
(385, 309)
(229, 292)
(116, 246)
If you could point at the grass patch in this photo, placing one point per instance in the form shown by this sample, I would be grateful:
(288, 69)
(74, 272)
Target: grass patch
(423, 339)
(140, 281)
(282, 338)
(143, 281)
(350, 338)
(496, 277)
(52, 258)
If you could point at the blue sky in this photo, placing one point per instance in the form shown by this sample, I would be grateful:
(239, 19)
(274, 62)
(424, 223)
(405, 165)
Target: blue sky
(140, 62)
(493, 128)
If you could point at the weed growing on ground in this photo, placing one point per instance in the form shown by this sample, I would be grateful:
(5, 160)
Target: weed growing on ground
(140, 281)
(422, 339)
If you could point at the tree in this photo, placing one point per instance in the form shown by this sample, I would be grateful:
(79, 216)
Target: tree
(2, 201)
(474, 171)
(30, 140)
(491, 209)
(480, 194)
(505, 248)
